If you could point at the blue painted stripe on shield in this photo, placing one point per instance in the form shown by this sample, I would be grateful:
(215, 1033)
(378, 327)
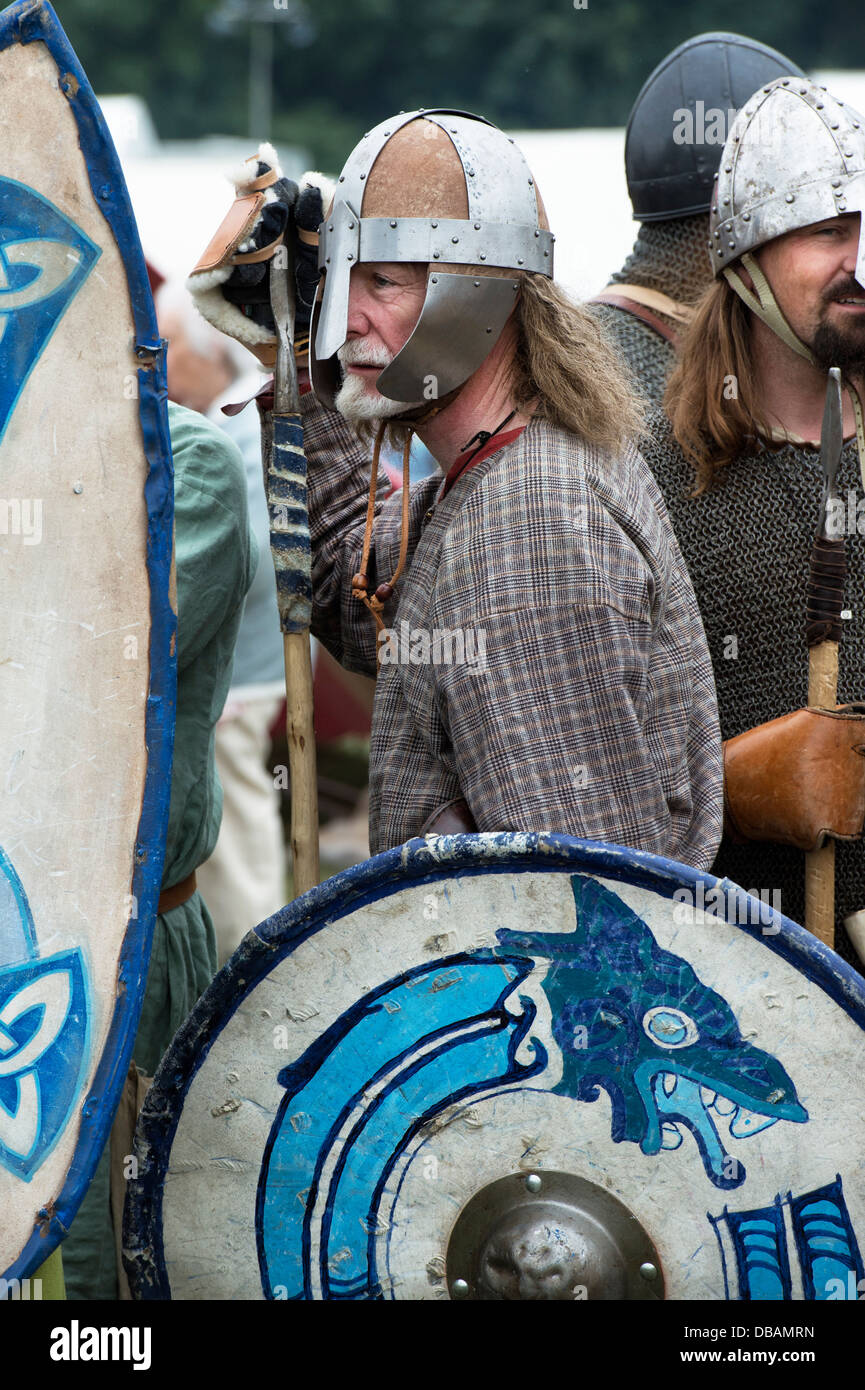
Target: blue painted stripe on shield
(826, 1242)
(377, 1041)
(760, 1243)
(289, 524)
(24, 23)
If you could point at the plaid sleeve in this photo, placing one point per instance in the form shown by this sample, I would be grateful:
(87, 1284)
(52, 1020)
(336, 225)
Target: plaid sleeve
(338, 471)
(546, 726)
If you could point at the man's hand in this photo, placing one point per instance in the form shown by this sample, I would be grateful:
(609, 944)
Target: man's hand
(231, 283)
(797, 780)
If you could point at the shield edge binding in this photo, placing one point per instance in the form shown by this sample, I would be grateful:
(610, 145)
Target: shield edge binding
(417, 861)
(27, 22)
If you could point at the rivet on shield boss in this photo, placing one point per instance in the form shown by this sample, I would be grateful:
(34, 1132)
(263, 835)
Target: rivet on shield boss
(568, 1092)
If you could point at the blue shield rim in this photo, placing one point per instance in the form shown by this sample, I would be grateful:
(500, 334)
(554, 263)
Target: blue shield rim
(419, 861)
(24, 23)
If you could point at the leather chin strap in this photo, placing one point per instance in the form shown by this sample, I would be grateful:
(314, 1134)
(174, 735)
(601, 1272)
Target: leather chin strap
(765, 306)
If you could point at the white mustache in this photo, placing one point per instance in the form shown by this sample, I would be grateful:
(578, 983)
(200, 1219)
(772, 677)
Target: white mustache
(361, 354)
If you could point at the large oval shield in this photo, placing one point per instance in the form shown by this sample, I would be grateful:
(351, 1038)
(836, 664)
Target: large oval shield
(86, 632)
(511, 1066)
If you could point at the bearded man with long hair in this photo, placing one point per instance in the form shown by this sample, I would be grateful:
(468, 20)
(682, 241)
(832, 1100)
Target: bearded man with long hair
(541, 663)
(737, 456)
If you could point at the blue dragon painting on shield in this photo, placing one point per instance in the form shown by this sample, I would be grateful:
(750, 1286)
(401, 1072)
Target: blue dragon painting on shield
(627, 1018)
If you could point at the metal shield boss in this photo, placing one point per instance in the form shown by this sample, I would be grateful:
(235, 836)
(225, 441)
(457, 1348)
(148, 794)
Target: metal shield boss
(794, 156)
(511, 1066)
(488, 216)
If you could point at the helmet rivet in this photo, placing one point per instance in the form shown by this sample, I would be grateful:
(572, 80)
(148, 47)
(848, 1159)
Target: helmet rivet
(387, 133)
(728, 168)
(746, 217)
(483, 255)
(477, 226)
(489, 330)
(393, 223)
(519, 260)
(726, 202)
(342, 178)
(436, 255)
(836, 183)
(537, 233)
(454, 240)
(531, 183)
(351, 226)
(327, 261)
(848, 154)
(477, 284)
(834, 124)
(350, 256)
(720, 250)
(786, 82)
(790, 198)
(453, 130)
(510, 139)
(803, 91)
(819, 106)
(731, 244)
(434, 279)
(433, 224)
(330, 228)
(471, 173)
(843, 204)
(717, 234)
(546, 253)
(735, 139)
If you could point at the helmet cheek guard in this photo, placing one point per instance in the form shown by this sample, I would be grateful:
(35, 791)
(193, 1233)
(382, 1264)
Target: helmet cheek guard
(477, 208)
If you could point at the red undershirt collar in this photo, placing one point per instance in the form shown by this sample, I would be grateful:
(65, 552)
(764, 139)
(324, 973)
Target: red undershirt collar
(469, 457)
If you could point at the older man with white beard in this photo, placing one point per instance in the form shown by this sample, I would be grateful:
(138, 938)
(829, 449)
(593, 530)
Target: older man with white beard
(593, 712)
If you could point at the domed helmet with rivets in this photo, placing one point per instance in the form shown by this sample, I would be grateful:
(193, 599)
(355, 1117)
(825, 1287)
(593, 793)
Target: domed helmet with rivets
(448, 189)
(795, 156)
(681, 118)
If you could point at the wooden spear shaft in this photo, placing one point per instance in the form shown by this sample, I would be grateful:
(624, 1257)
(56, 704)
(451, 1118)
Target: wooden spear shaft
(820, 863)
(285, 486)
(824, 601)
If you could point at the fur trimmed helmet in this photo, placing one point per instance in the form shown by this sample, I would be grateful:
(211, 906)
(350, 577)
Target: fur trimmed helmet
(449, 190)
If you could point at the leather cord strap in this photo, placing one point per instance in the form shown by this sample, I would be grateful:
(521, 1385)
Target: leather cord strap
(360, 581)
(179, 893)
(639, 311)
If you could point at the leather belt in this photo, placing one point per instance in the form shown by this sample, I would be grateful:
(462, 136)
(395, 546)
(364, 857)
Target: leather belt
(179, 893)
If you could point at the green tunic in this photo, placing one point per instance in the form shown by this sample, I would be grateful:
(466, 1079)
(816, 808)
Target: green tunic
(216, 556)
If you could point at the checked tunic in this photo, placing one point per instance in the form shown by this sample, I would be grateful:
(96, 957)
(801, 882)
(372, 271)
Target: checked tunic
(592, 712)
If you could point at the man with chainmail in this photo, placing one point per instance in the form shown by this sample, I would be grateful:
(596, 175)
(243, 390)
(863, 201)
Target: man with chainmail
(541, 660)
(672, 145)
(739, 465)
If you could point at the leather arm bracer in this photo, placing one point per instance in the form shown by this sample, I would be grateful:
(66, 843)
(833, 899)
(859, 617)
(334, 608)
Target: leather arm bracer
(797, 780)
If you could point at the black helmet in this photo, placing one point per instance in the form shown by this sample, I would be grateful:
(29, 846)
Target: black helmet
(680, 121)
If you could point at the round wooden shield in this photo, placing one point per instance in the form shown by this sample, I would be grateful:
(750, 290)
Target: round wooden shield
(87, 628)
(511, 1066)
